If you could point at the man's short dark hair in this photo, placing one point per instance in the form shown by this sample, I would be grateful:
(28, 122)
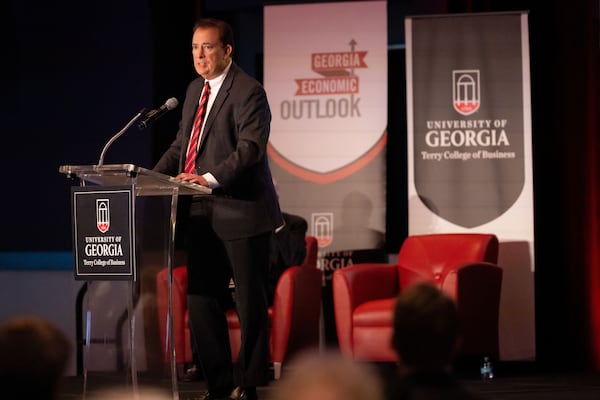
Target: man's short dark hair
(225, 30)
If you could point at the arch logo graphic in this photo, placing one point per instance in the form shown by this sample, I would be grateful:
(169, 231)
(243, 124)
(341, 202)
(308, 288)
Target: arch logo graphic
(465, 91)
(103, 215)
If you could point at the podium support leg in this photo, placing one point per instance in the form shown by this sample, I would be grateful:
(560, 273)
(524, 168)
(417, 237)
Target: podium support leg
(131, 319)
(170, 263)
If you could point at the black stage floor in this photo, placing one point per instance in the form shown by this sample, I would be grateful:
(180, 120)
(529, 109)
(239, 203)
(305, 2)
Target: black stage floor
(508, 385)
(538, 387)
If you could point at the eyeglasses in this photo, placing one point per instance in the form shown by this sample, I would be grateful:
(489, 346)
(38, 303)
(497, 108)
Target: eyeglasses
(207, 47)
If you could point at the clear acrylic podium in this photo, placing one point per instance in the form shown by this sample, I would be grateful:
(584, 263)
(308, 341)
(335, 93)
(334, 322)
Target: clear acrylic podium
(124, 343)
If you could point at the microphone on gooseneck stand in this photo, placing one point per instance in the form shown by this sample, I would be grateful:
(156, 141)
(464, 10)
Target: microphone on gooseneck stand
(149, 118)
(153, 115)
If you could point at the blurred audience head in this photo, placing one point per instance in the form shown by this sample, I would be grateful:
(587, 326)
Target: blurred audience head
(33, 358)
(425, 328)
(328, 376)
(127, 393)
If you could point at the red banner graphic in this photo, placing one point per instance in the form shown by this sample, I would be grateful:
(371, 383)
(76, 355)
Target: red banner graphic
(338, 63)
(327, 86)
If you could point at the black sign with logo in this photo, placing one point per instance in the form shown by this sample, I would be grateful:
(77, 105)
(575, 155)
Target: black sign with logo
(103, 232)
(469, 115)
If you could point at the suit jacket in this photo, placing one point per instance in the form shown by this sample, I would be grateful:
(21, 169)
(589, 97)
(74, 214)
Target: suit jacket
(233, 150)
(288, 248)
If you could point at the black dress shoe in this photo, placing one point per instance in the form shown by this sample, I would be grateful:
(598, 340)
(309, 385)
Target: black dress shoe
(236, 394)
(192, 374)
(240, 393)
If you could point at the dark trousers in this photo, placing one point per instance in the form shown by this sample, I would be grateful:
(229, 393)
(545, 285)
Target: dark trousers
(211, 263)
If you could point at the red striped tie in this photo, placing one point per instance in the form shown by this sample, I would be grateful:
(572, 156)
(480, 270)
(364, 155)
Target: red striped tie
(190, 160)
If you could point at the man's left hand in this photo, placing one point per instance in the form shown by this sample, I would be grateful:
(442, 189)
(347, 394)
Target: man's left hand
(193, 178)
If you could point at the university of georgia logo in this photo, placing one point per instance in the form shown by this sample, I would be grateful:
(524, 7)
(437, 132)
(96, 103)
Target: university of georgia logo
(322, 228)
(465, 91)
(102, 215)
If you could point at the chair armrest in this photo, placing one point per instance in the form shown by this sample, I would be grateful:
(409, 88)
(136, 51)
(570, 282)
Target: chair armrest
(476, 288)
(296, 312)
(355, 285)
(179, 299)
(364, 282)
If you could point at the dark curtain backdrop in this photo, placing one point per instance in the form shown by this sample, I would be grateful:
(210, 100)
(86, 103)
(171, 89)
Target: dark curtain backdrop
(579, 90)
(72, 74)
(566, 105)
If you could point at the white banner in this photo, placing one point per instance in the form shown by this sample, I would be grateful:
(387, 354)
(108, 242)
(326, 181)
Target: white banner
(469, 147)
(325, 73)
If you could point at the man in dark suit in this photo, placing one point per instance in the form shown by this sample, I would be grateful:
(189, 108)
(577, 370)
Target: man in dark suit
(221, 144)
(288, 248)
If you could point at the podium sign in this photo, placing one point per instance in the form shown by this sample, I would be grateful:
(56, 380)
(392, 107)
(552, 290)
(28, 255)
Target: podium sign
(104, 232)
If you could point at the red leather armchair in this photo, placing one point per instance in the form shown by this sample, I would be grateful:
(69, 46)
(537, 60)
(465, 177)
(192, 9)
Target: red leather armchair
(294, 315)
(463, 265)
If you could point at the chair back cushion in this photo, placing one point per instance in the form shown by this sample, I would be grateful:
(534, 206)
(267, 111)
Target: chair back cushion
(431, 257)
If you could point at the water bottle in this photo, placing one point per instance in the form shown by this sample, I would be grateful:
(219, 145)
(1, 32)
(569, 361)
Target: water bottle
(486, 370)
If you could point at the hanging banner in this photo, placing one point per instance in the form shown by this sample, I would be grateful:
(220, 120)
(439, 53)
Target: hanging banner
(469, 147)
(325, 73)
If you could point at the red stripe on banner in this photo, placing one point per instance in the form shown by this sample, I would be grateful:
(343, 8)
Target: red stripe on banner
(328, 177)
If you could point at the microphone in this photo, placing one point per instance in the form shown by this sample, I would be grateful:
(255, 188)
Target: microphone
(153, 115)
(149, 117)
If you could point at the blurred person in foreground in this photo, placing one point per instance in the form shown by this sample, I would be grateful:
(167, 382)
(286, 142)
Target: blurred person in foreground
(33, 358)
(425, 337)
(328, 376)
(127, 393)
